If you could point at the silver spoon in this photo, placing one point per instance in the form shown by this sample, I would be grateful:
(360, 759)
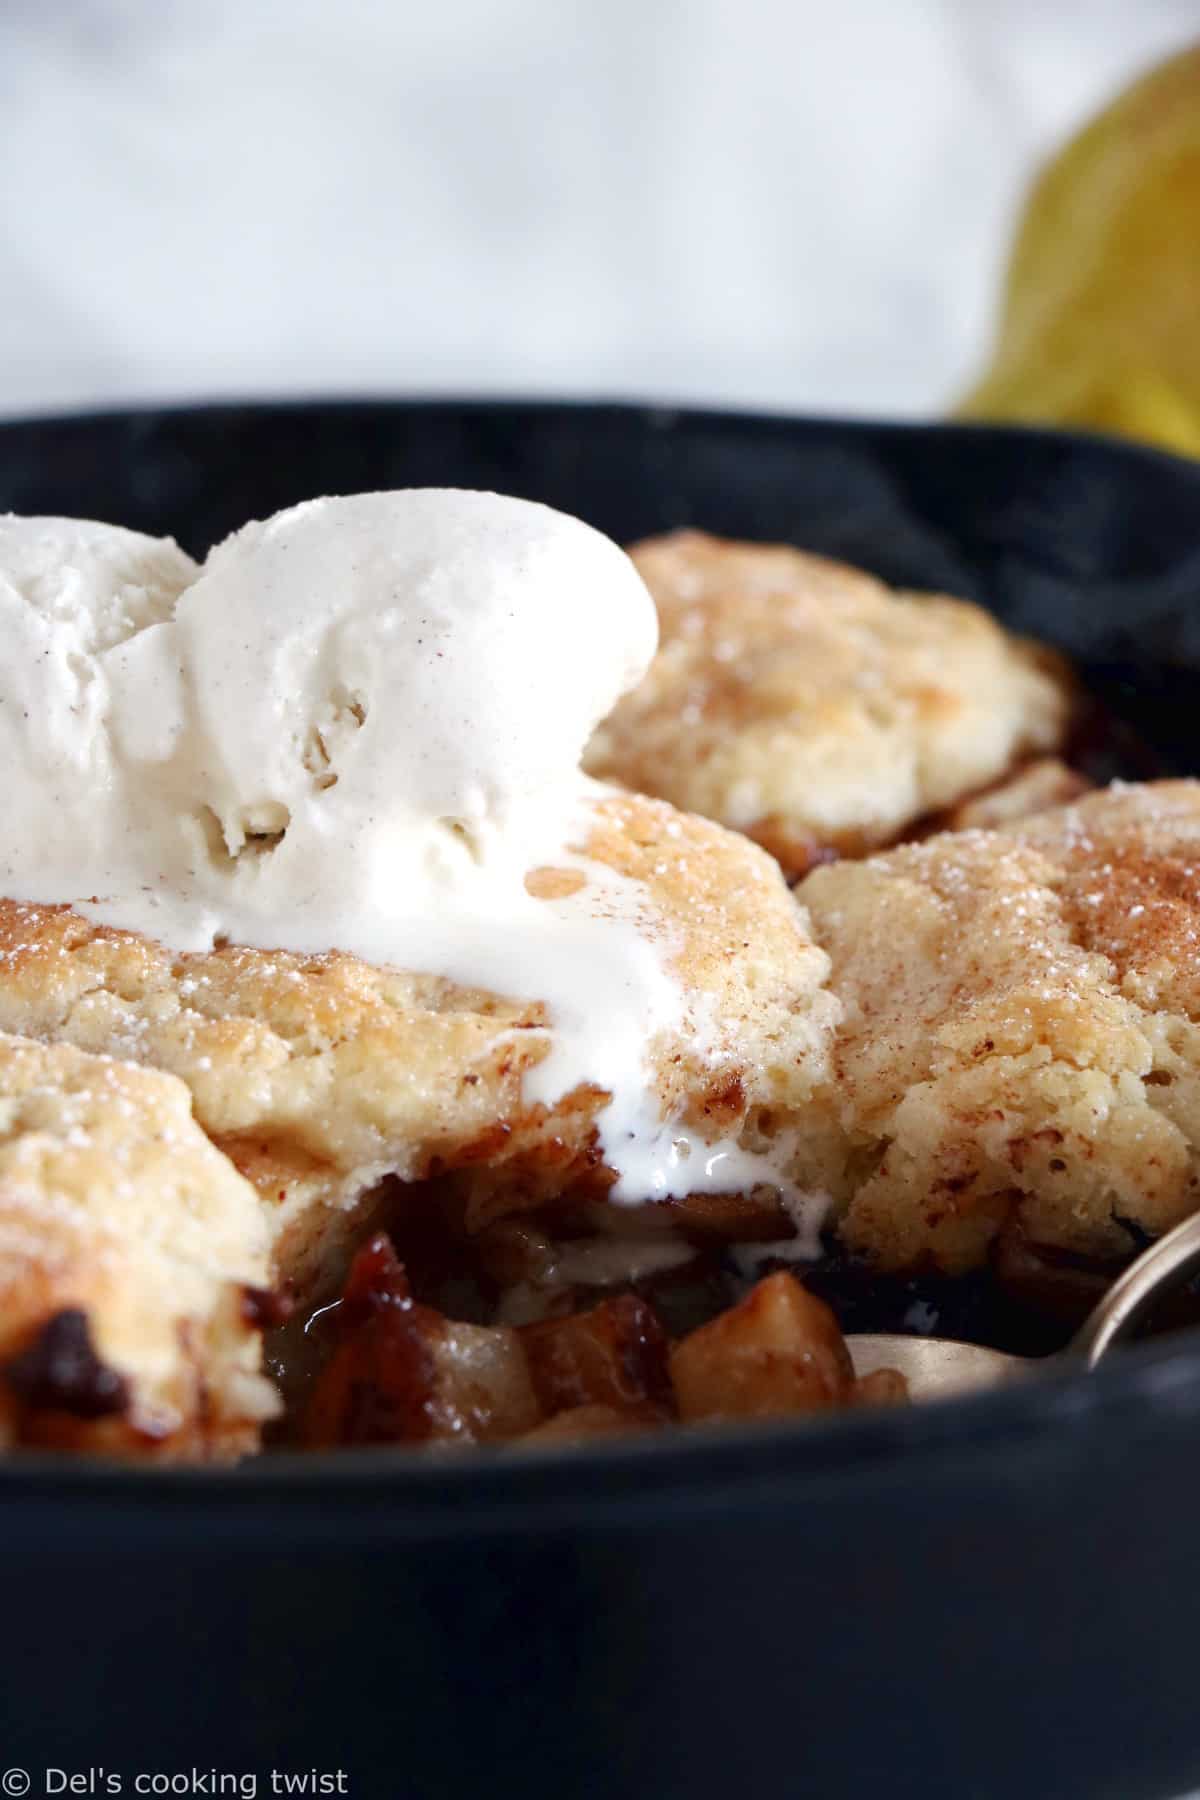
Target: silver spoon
(935, 1366)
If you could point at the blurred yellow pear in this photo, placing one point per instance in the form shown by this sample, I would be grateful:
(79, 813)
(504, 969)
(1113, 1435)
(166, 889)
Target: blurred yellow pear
(1100, 324)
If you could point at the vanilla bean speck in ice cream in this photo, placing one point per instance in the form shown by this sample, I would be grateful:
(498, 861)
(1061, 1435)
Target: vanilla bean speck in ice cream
(358, 726)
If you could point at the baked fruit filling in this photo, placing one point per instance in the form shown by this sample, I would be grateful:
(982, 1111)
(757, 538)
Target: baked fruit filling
(393, 1371)
(260, 1186)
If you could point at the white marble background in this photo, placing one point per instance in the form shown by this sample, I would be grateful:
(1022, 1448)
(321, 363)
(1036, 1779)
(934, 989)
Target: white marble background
(778, 202)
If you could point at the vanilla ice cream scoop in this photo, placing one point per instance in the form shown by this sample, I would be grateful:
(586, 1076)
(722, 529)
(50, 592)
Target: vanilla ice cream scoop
(94, 584)
(70, 589)
(363, 721)
(358, 727)
(391, 662)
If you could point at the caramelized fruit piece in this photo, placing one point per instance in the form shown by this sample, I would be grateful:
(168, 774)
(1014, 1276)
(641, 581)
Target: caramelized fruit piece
(779, 1351)
(1050, 1283)
(882, 1387)
(376, 1279)
(579, 1423)
(736, 1218)
(405, 1374)
(613, 1356)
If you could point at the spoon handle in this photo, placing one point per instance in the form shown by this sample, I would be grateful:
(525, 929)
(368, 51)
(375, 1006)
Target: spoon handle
(1164, 1266)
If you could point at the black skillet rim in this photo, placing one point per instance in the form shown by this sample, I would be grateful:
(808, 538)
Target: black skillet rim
(1151, 1386)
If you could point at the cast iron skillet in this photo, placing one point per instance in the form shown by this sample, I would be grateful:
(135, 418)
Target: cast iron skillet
(984, 1598)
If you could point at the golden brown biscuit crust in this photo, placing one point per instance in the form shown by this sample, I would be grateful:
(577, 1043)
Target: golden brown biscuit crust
(321, 1076)
(1036, 787)
(810, 706)
(1021, 1042)
(127, 1245)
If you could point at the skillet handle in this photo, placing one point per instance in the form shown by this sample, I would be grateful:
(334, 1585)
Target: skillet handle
(1165, 1266)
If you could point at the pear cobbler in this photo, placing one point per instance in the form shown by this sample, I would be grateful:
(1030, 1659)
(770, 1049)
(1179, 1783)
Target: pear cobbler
(385, 1059)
